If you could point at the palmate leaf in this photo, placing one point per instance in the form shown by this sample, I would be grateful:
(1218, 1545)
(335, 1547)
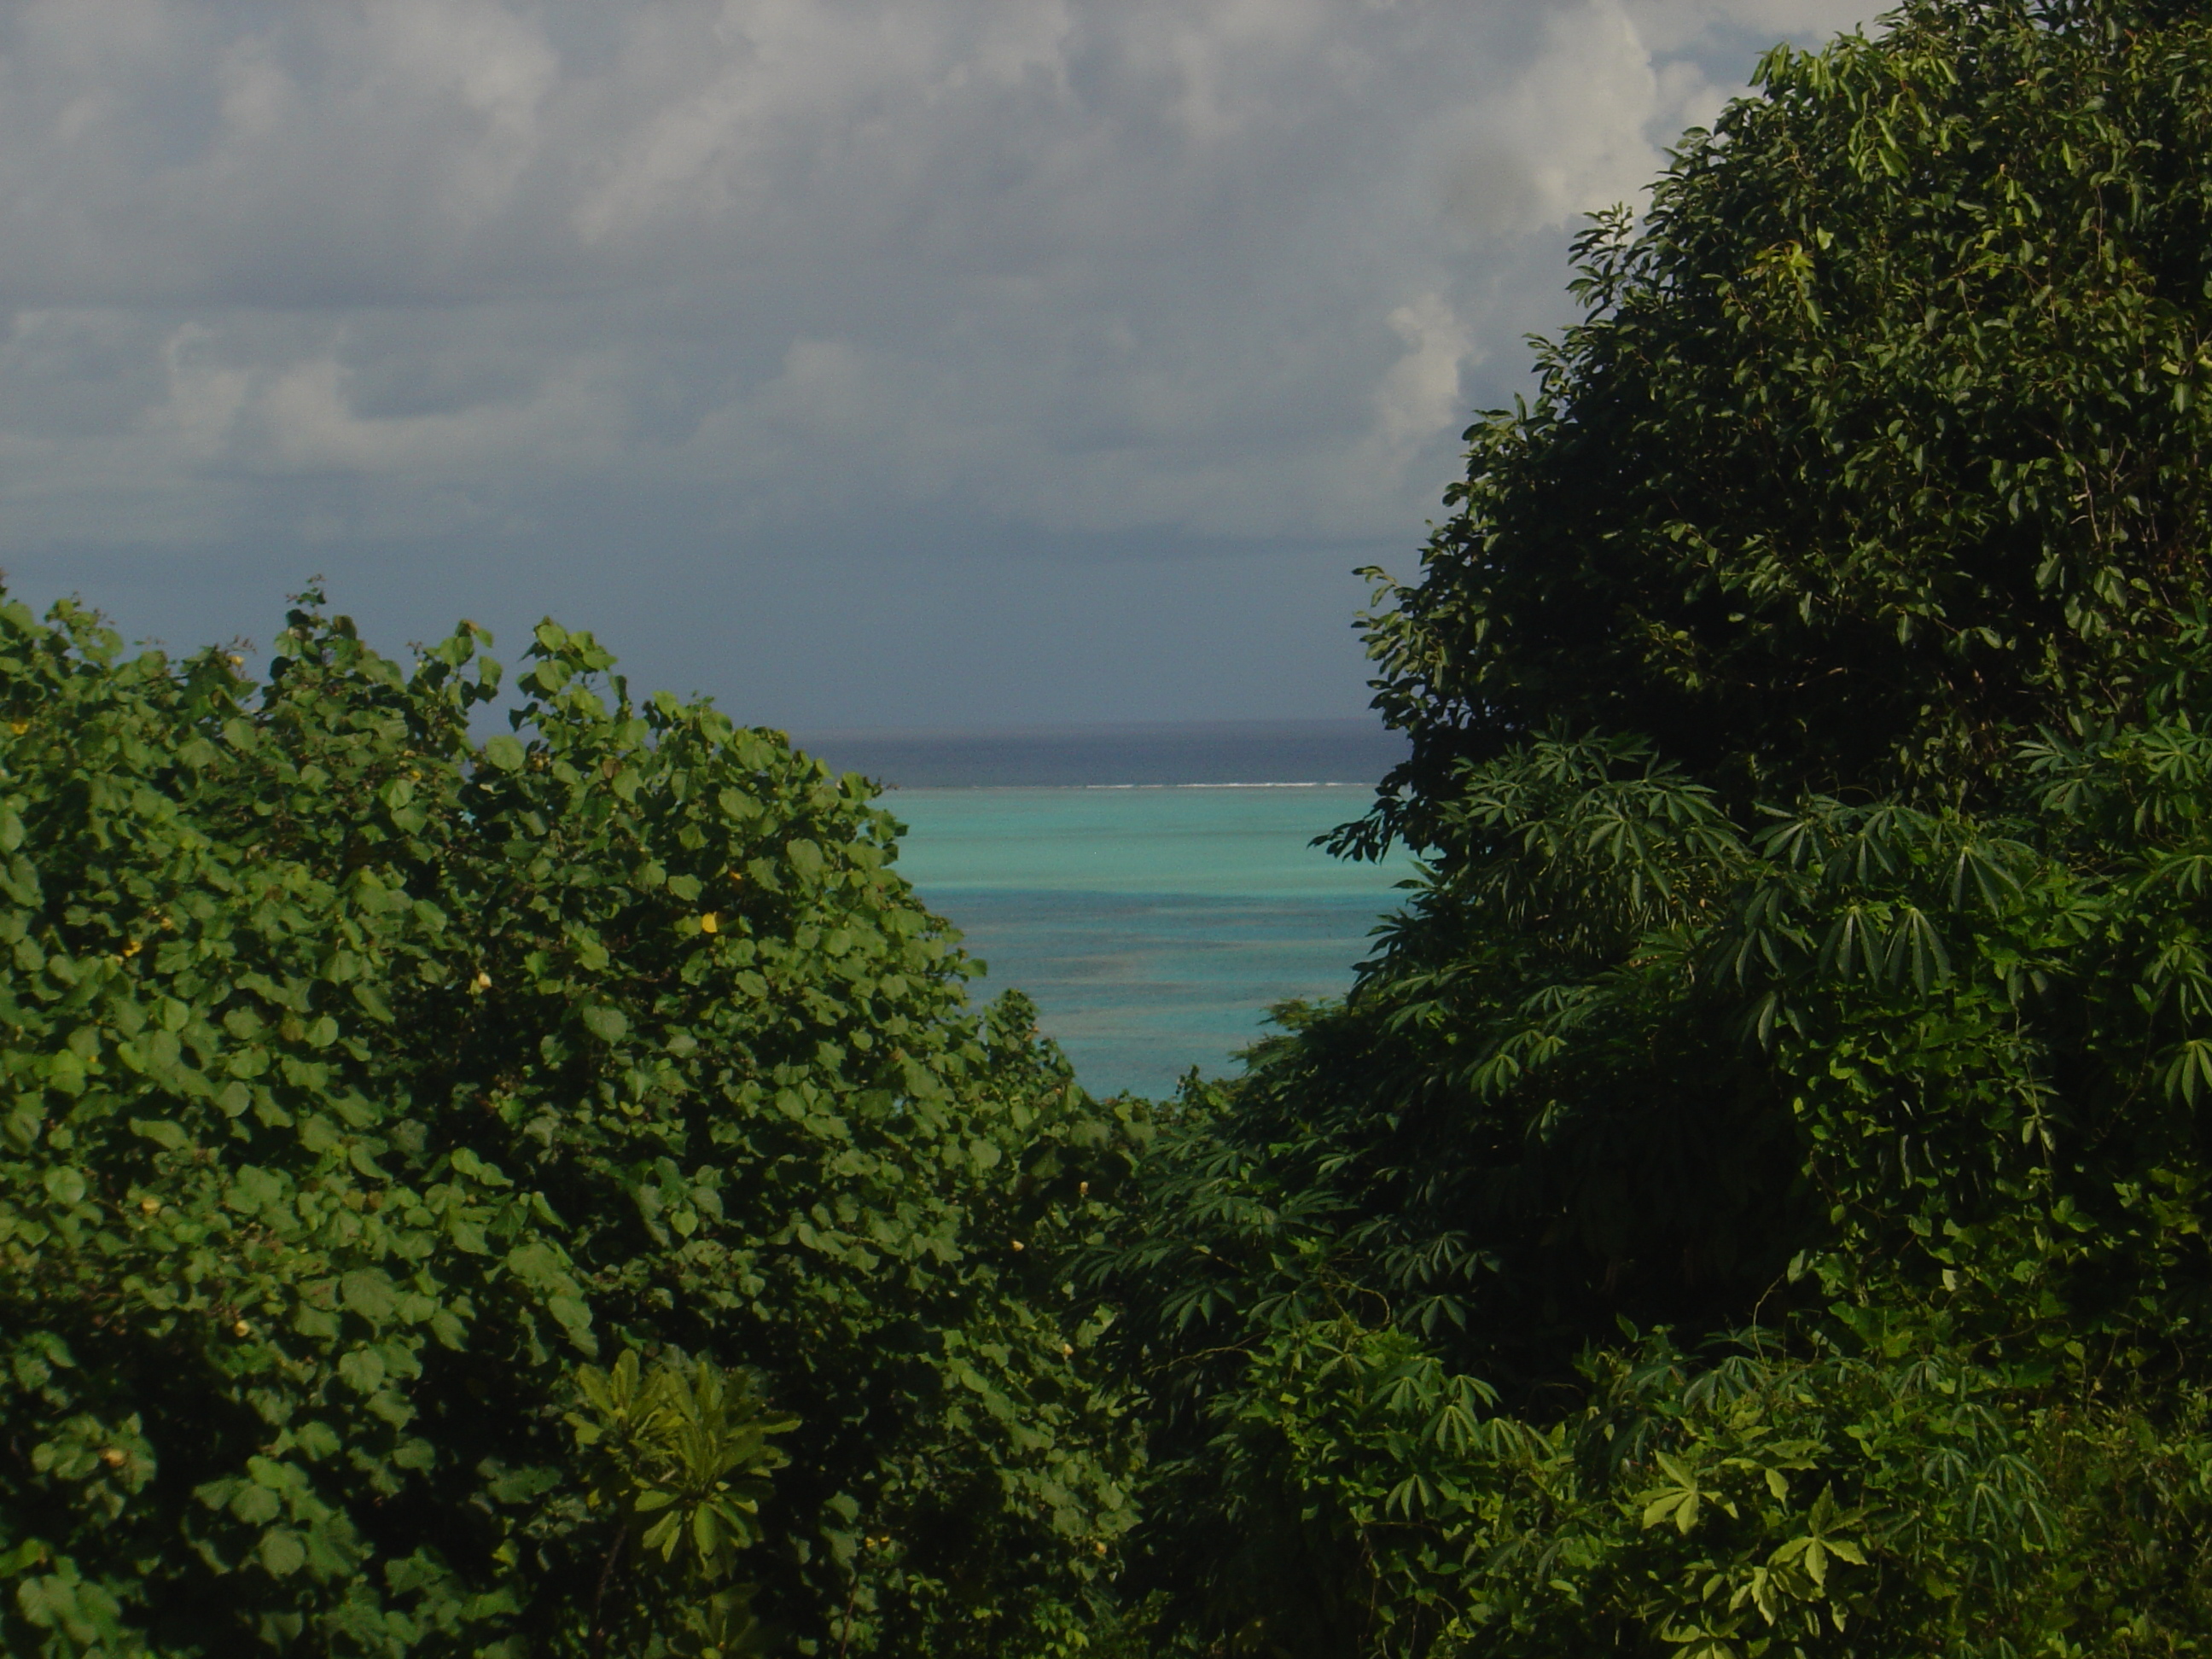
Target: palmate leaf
(2188, 1071)
(1918, 948)
(1982, 871)
(1684, 1501)
(1854, 946)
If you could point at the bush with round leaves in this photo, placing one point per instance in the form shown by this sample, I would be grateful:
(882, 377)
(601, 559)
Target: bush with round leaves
(359, 1082)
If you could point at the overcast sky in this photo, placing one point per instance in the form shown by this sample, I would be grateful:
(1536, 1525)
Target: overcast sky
(864, 362)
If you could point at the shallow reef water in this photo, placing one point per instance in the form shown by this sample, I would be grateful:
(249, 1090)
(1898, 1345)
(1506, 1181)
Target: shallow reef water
(1153, 926)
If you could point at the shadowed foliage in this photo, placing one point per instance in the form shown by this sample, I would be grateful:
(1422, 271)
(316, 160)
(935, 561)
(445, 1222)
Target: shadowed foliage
(1753, 1201)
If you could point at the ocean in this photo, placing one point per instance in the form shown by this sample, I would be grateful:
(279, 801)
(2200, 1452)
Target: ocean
(1152, 916)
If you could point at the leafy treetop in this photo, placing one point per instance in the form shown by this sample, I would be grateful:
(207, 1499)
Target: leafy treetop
(362, 1080)
(1883, 442)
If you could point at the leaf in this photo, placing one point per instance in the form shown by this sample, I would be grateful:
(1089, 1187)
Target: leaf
(282, 1552)
(362, 1370)
(537, 1264)
(256, 1505)
(368, 1293)
(608, 1025)
(64, 1185)
(503, 753)
(665, 1534)
(466, 1163)
(415, 1454)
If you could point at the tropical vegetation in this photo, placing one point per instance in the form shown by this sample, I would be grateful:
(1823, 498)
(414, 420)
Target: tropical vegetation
(549, 1194)
(1754, 1200)
(376, 1097)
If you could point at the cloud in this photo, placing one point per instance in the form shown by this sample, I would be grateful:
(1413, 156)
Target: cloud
(907, 274)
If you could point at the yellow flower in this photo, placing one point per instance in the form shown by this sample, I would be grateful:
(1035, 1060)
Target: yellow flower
(711, 923)
(483, 981)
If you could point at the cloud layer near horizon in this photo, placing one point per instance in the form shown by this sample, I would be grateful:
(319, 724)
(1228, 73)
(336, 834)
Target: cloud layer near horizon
(995, 313)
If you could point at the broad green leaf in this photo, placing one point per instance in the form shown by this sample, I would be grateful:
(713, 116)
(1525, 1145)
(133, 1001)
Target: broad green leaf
(608, 1025)
(282, 1552)
(64, 1185)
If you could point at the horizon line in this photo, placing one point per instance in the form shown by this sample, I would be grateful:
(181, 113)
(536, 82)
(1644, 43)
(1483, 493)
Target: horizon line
(1087, 728)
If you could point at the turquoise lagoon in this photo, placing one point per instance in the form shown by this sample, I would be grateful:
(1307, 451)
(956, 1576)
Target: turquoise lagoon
(1152, 926)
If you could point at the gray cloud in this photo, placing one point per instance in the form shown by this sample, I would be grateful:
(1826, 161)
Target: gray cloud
(659, 309)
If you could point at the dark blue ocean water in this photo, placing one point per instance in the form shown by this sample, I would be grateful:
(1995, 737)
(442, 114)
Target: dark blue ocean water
(1205, 751)
(1153, 926)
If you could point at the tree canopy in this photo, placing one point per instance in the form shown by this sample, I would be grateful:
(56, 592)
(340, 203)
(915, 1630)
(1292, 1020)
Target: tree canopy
(376, 1098)
(1880, 444)
(550, 1195)
(1754, 1198)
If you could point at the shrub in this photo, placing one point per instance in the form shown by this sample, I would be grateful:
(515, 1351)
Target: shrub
(363, 1081)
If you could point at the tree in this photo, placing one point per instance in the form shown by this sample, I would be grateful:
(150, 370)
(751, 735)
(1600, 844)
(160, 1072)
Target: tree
(364, 1082)
(1757, 1192)
(1881, 443)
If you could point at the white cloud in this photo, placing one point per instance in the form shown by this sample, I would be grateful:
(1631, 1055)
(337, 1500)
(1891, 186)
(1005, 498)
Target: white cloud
(1226, 270)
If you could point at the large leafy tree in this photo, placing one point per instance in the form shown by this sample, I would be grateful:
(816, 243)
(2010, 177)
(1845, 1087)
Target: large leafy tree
(1757, 1192)
(1881, 442)
(363, 1081)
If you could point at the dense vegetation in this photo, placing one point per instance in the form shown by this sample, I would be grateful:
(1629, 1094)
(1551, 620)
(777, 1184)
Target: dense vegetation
(1754, 1201)
(551, 1196)
(363, 1083)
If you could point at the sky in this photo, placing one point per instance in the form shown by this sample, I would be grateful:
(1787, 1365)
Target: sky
(863, 364)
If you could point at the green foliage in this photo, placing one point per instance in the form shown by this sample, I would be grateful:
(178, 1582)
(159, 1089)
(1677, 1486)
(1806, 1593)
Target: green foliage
(1760, 1505)
(688, 1446)
(1754, 1202)
(1883, 441)
(361, 1080)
